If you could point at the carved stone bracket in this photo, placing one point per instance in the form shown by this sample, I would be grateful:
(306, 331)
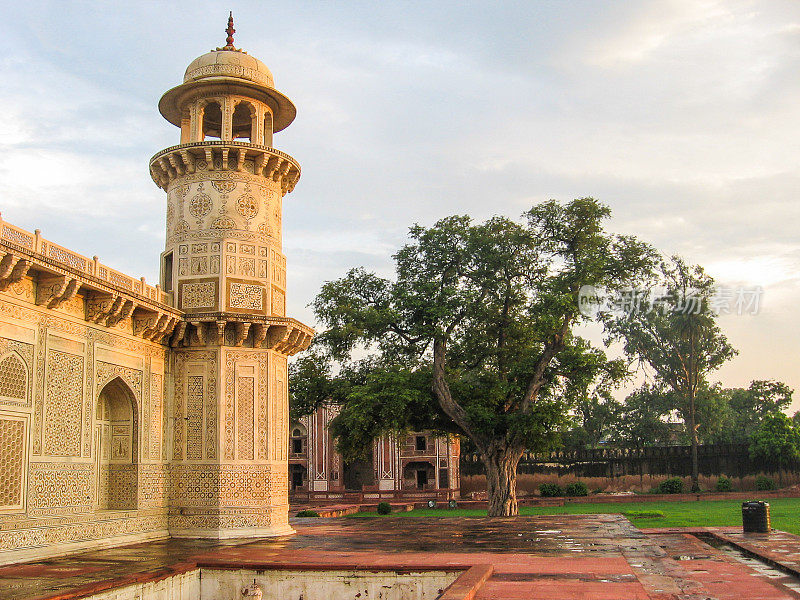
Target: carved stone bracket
(124, 313)
(100, 307)
(242, 329)
(221, 332)
(154, 326)
(200, 332)
(179, 334)
(259, 334)
(267, 162)
(52, 291)
(286, 336)
(12, 270)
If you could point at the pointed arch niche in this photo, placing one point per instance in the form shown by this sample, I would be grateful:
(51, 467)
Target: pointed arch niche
(116, 440)
(13, 378)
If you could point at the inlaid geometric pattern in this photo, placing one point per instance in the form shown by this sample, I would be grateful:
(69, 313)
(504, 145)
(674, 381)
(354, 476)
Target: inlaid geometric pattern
(247, 206)
(194, 413)
(228, 485)
(243, 295)
(245, 398)
(198, 295)
(280, 426)
(156, 415)
(200, 206)
(13, 378)
(12, 455)
(56, 486)
(247, 266)
(62, 424)
(278, 303)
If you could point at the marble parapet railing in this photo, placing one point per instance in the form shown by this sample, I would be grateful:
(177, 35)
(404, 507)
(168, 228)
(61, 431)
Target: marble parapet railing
(110, 296)
(215, 155)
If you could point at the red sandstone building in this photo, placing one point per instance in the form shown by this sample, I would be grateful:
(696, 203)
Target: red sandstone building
(418, 466)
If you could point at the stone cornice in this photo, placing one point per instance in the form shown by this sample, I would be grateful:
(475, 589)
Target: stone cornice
(282, 334)
(110, 296)
(215, 155)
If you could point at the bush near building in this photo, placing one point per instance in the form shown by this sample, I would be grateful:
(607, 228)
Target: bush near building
(550, 490)
(577, 488)
(673, 485)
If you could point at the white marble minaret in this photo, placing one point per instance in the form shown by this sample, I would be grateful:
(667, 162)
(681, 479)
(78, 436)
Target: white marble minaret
(223, 264)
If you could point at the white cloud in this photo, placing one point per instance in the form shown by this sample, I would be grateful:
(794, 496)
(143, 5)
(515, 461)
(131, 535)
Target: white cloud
(682, 115)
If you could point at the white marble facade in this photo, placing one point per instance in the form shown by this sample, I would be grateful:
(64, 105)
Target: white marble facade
(132, 412)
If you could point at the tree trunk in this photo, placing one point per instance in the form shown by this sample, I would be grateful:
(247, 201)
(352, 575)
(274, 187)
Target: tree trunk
(501, 480)
(695, 463)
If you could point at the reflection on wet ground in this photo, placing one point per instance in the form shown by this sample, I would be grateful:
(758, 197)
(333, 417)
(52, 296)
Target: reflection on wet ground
(563, 556)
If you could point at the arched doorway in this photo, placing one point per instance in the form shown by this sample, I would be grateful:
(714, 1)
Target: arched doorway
(419, 475)
(298, 441)
(297, 477)
(117, 448)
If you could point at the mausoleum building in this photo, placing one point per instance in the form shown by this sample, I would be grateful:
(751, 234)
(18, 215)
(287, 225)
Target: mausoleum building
(131, 412)
(417, 466)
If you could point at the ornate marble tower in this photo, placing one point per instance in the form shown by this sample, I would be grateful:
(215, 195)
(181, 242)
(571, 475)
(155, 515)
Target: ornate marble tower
(224, 266)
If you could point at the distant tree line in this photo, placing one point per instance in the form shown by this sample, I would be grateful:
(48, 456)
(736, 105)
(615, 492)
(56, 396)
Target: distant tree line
(657, 416)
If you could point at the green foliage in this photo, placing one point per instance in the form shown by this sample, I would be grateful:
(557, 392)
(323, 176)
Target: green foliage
(724, 484)
(595, 420)
(475, 333)
(673, 485)
(644, 514)
(576, 488)
(676, 336)
(308, 513)
(312, 383)
(739, 412)
(642, 418)
(776, 441)
(384, 508)
(550, 490)
(765, 484)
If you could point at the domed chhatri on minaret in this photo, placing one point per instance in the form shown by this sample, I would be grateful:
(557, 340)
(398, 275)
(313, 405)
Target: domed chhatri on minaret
(224, 265)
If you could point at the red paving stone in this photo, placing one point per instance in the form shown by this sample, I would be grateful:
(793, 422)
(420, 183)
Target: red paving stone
(724, 577)
(566, 557)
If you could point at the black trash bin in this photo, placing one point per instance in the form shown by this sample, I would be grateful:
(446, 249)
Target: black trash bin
(755, 517)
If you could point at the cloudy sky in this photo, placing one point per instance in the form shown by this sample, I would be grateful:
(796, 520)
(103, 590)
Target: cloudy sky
(682, 115)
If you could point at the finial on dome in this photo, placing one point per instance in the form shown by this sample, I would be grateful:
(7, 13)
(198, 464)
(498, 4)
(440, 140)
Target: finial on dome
(230, 31)
(229, 40)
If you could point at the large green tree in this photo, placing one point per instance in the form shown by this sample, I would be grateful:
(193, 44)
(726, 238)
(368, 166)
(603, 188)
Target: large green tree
(776, 441)
(672, 330)
(751, 406)
(642, 418)
(483, 314)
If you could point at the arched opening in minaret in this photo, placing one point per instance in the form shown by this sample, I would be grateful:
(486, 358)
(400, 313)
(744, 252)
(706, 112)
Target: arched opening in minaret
(243, 116)
(268, 129)
(212, 121)
(116, 447)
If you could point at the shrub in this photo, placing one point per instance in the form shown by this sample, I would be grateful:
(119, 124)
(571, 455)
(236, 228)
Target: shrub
(673, 485)
(550, 490)
(384, 508)
(764, 484)
(308, 513)
(577, 488)
(724, 484)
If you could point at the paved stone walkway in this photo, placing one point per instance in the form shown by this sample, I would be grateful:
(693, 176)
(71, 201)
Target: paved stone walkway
(566, 557)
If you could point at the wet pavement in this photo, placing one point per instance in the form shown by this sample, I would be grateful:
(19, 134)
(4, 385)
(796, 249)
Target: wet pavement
(587, 557)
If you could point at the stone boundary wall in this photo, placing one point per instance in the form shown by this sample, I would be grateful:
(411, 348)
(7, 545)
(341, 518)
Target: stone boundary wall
(732, 460)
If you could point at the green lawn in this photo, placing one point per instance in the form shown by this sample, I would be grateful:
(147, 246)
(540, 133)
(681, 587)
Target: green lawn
(785, 512)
